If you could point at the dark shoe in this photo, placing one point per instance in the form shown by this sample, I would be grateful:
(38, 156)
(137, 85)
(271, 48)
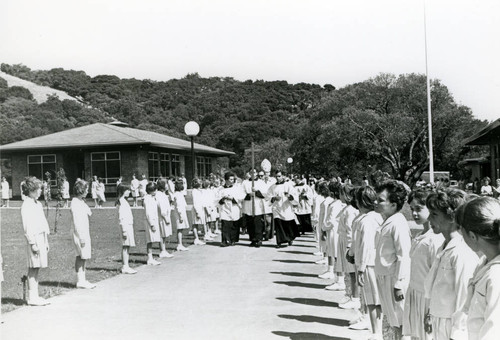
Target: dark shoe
(252, 244)
(224, 245)
(258, 244)
(232, 243)
(290, 243)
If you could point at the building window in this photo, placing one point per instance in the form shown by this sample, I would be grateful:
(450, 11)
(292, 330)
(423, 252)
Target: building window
(203, 166)
(154, 166)
(39, 165)
(175, 165)
(106, 165)
(165, 165)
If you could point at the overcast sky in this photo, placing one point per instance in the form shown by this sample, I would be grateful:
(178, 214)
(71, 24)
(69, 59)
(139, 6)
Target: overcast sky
(324, 42)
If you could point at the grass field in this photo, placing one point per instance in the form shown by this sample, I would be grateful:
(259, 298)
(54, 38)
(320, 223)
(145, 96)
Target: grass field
(60, 275)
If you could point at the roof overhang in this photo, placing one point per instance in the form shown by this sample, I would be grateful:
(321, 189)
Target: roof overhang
(489, 135)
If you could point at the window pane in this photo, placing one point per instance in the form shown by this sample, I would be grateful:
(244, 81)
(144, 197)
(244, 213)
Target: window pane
(49, 158)
(113, 155)
(165, 157)
(98, 156)
(165, 168)
(34, 159)
(99, 169)
(35, 170)
(113, 169)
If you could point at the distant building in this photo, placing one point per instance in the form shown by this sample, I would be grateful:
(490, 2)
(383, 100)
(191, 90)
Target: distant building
(108, 151)
(490, 135)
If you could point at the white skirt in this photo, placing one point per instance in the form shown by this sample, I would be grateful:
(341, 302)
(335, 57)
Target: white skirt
(370, 289)
(441, 328)
(414, 315)
(390, 307)
(331, 243)
(39, 260)
(343, 265)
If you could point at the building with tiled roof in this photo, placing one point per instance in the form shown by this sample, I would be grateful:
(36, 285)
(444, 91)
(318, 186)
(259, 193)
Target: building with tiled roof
(108, 151)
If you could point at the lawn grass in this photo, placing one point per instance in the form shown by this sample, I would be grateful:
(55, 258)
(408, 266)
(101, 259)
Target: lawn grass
(60, 276)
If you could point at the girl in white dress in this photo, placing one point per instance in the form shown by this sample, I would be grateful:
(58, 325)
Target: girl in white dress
(480, 222)
(198, 211)
(101, 188)
(152, 222)
(453, 267)
(65, 192)
(164, 210)
(36, 231)
(95, 184)
(134, 188)
(126, 220)
(5, 192)
(423, 251)
(210, 202)
(80, 213)
(179, 213)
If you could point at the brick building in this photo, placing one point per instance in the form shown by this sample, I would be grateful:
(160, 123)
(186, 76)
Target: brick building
(108, 151)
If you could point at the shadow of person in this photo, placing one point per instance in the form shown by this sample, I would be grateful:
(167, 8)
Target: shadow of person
(57, 284)
(293, 261)
(13, 301)
(317, 319)
(310, 302)
(307, 336)
(301, 284)
(296, 274)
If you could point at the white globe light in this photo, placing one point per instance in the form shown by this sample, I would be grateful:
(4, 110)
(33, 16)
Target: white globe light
(290, 160)
(191, 128)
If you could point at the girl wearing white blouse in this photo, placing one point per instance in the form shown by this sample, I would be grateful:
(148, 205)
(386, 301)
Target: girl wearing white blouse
(36, 231)
(423, 251)
(446, 283)
(152, 222)
(392, 255)
(126, 220)
(164, 222)
(80, 213)
(480, 224)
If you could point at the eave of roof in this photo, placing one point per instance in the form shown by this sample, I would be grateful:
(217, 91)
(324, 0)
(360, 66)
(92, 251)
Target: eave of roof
(488, 135)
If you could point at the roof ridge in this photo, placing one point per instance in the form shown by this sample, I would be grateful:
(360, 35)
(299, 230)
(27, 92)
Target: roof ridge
(116, 129)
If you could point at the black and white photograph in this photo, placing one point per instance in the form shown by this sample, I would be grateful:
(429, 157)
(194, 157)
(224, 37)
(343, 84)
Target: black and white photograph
(247, 170)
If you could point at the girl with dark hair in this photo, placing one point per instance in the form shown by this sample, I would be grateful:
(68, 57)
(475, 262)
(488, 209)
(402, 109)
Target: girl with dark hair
(164, 209)
(126, 220)
(153, 226)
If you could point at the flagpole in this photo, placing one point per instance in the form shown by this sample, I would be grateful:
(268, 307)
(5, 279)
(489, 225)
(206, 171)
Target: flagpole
(429, 113)
(252, 174)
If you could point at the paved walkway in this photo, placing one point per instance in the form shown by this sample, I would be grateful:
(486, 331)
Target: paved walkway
(206, 293)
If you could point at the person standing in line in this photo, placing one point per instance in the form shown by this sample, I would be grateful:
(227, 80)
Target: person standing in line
(101, 188)
(95, 184)
(480, 224)
(164, 210)
(36, 231)
(5, 192)
(142, 188)
(267, 181)
(65, 192)
(423, 251)
(319, 198)
(209, 202)
(304, 209)
(152, 222)
(198, 211)
(80, 213)
(392, 257)
(230, 211)
(134, 189)
(283, 198)
(486, 189)
(126, 220)
(253, 209)
(448, 279)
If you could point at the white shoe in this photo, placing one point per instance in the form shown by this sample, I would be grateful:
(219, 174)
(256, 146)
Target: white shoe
(153, 262)
(362, 324)
(128, 270)
(327, 275)
(336, 286)
(199, 242)
(344, 299)
(354, 303)
(318, 253)
(38, 301)
(357, 318)
(322, 261)
(181, 248)
(85, 285)
(376, 337)
(165, 254)
(218, 232)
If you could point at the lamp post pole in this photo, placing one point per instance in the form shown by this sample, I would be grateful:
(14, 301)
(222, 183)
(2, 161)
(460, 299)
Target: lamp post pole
(192, 129)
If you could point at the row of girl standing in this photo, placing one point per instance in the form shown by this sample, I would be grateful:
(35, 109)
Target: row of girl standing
(421, 298)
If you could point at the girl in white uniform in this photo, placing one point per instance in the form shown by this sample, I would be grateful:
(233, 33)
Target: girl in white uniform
(5, 192)
(80, 213)
(423, 251)
(36, 231)
(179, 213)
(65, 192)
(164, 210)
(198, 211)
(134, 188)
(209, 205)
(480, 224)
(152, 222)
(366, 226)
(317, 200)
(126, 220)
(392, 254)
(446, 283)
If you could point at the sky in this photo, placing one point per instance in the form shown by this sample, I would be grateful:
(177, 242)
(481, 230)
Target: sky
(314, 41)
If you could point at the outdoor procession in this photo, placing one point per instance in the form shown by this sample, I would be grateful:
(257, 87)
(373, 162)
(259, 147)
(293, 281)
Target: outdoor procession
(250, 170)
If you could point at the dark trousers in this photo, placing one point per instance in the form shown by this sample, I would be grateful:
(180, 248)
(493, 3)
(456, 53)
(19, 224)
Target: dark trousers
(230, 231)
(255, 227)
(268, 226)
(286, 231)
(305, 223)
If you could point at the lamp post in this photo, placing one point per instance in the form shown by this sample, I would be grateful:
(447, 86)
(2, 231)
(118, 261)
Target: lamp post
(192, 129)
(290, 162)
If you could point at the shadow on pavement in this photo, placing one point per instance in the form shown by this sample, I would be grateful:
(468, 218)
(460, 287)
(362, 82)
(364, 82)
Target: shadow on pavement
(295, 252)
(307, 336)
(302, 245)
(293, 261)
(16, 302)
(101, 269)
(300, 284)
(57, 284)
(295, 274)
(310, 302)
(318, 319)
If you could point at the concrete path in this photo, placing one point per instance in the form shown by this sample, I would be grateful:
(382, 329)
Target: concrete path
(206, 293)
